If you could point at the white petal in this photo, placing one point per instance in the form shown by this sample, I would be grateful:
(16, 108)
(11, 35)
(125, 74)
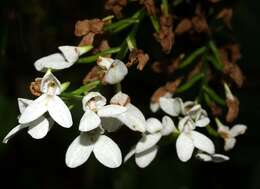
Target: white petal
(154, 107)
(99, 99)
(238, 129)
(184, 147)
(107, 152)
(50, 84)
(111, 110)
(204, 157)
(105, 62)
(59, 111)
(133, 118)
(168, 126)
(39, 128)
(229, 143)
(153, 125)
(129, 154)
(171, 106)
(203, 122)
(37, 108)
(13, 132)
(120, 99)
(23, 103)
(147, 141)
(79, 151)
(219, 158)
(54, 61)
(89, 121)
(116, 73)
(110, 124)
(202, 142)
(143, 159)
(71, 53)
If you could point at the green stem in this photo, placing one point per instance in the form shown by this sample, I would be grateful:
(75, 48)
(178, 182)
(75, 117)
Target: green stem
(165, 7)
(189, 83)
(212, 131)
(187, 61)
(155, 23)
(214, 95)
(215, 51)
(85, 88)
(93, 58)
(120, 25)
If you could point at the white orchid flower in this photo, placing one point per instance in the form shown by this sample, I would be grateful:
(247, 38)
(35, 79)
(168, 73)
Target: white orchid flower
(216, 158)
(94, 105)
(171, 106)
(133, 118)
(115, 70)
(229, 134)
(146, 149)
(58, 61)
(155, 106)
(189, 139)
(104, 148)
(37, 129)
(196, 112)
(49, 102)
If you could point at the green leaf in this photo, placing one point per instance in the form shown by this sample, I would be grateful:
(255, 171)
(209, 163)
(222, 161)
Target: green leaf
(189, 83)
(214, 96)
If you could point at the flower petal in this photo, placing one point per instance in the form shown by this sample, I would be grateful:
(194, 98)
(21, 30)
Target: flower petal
(107, 152)
(203, 122)
(154, 106)
(39, 128)
(23, 103)
(168, 126)
(71, 53)
(105, 62)
(184, 147)
(37, 108)
(202, 142)
(143, 159)
(89, 121)
(79, 151)
(229, 144)
(238, 129)
(111, 110)
(116, 73)
(219, 158)
(129, 154)
(13, 132)
(50, 84)
(110, 124)
(153, 125)
(59, 111)
(54, 61)
(204, 157)
(171, 106)
(99, 99)
(133, 118)
(147, 141)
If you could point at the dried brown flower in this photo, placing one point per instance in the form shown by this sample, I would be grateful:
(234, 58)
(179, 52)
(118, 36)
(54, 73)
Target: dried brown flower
(35, 87)
(226, 14)
(166, 36)
(233, 109)
(234, 52)
(149, 6)
(200, 24)
(161, 91)
(195, 70)
(234, 72)
(86, 26)
(215, 109)
(116, 6)
(104, 45)
(173, 85)
(137, 56)
(184, 26)
(96, 73)
(87, 39)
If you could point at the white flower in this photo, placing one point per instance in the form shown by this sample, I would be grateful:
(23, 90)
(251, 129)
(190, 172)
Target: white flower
(229, 134)
(216, 158)
(94, 105)
(115, 70)
(196, 113)
(68, 56)
(132, 117)
(37, 128)
(105, 150)
(146, 149)
(155, 106)
(49, 102)
(189, 139)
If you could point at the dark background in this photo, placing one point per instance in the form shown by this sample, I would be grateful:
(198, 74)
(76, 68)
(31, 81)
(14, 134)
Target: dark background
(31, 29)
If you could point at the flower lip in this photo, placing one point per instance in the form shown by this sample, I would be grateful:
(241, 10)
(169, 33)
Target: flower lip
(50, 84)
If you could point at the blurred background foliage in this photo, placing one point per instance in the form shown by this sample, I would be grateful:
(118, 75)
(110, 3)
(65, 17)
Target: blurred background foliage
(31, 29)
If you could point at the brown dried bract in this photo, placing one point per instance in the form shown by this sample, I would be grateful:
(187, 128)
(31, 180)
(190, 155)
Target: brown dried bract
(35, 87)
(233, 109)
(137, 56)
(234, 72)
(173, 85)
(226, 14)
(184, 26)
(104, 45)
(158, 67)
(116, 6)
(161, 91)
(87, 39)
(235, 54)
(86, 26)
(215, 109)
(96, 73)
(149, 6)
(166, 36)
(200, 24)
